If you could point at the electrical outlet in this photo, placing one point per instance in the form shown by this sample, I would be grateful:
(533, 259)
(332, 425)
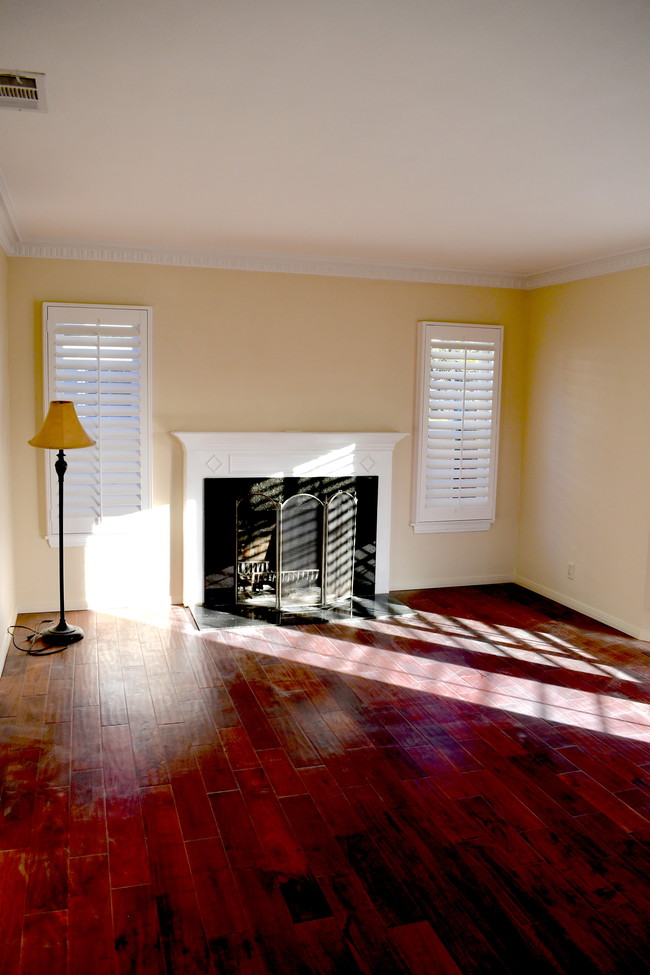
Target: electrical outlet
(571, 570)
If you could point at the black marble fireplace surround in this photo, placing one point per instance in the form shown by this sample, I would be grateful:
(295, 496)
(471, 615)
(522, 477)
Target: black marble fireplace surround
(223, 604)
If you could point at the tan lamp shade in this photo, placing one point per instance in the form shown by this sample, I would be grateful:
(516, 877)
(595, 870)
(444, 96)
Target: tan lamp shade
(61, 429)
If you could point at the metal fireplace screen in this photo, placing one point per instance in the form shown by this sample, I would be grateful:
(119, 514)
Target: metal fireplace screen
(295, 553)
(269, 540)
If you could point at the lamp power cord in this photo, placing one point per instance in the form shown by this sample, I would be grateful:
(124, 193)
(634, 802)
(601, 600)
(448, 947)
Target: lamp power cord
(32, 635)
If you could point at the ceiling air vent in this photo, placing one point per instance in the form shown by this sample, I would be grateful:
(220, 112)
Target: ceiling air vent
(24, 90)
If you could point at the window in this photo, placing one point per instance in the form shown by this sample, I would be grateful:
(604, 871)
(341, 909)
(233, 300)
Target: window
(457, 426)
(98, 357)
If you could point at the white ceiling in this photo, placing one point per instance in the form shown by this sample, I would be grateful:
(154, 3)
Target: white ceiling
(497, 135)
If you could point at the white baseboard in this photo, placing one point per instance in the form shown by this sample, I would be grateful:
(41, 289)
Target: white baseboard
(82, 604)
(438, 583)
(38, 608)
(580, 607)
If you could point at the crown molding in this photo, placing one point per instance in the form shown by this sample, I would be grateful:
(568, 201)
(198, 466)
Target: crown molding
(627, 261)
(259, 261)
(296, 264)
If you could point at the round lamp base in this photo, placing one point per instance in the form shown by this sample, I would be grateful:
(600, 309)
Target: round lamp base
(62, 634)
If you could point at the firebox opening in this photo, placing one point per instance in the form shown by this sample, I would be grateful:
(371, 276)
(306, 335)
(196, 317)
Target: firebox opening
(276, 547)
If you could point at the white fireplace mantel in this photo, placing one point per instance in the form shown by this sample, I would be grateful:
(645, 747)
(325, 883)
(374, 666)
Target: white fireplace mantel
(285, 454)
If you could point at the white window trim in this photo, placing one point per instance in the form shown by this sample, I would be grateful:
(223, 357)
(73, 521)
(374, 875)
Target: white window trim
(427, 518)
(93, 312)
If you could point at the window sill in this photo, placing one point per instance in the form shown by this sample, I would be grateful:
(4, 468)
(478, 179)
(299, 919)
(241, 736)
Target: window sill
(69, 541)
(426, 527)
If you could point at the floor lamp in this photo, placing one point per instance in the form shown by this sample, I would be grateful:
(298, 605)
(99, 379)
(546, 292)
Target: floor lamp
(61, 431)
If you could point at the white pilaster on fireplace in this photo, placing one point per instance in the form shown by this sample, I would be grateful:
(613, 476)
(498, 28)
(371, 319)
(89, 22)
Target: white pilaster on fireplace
(280, 455)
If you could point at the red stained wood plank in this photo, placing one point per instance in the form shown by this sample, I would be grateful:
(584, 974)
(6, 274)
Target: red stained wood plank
(47, 879)
(119, 765)
(127, 847)
(283, 853)
(296, 744)
(37, 675)
(324, 948)
(379, 767)
(198, 721)
(11, 687)
(322, 851)
(609, 804)
(91, 946)
(320, 694)
(86, 738)
(222, 711)
(183, 940)
(165, 702)
(150, 765)
(407, 732)
(422, 950)
(54, 762)
(365, 933)
(136, 932)
(587, 874)
(272, 930)
(252, 717)
(13, 871)
(204, 667)
(86, 685)
(112, 700)
(23, 733)
(186, 686)
(549, 806)
(638, 799)
(58, 705)
(456, 752)
(87, 814)
(346, 729)
(497, 830)
(16, 815)
(315, 727)
(388, 890)
(163, 832)
(238, 748)
(333, 805)
(194, 810)
(138, 696)
(45, 945)
(126, 841)
(483, 783)
(236, 829)
(225, 919)
(280, 772)
(214, 767)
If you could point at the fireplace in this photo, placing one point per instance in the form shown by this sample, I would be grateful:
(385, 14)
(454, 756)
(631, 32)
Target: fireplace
(285, 523)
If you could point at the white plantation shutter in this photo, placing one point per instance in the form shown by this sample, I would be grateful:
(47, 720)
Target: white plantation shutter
(98, 357)
(458, 423)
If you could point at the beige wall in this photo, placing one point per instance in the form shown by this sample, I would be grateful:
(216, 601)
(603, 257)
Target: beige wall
(259, 351)
(7, 596)
(586, 484)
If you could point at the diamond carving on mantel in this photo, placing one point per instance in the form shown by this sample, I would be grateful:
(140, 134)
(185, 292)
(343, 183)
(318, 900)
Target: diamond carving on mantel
(213, 464)
(281, 454)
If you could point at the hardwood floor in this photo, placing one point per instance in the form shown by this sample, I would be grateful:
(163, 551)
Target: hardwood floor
(461, 790)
